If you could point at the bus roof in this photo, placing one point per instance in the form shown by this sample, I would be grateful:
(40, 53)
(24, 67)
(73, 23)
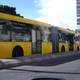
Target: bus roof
(66, 30)
(10, 17)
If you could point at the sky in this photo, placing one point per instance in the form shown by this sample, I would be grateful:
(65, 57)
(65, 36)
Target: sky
(56, 12)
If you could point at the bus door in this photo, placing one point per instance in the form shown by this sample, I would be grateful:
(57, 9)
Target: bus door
(36, 42)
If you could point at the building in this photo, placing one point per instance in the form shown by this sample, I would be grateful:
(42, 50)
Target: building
(77, 31)
(78, 13)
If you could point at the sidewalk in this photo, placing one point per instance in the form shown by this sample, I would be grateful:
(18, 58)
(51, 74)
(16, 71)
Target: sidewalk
(7, 63)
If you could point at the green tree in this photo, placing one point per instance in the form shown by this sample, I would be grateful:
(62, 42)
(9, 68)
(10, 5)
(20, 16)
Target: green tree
(9, 10)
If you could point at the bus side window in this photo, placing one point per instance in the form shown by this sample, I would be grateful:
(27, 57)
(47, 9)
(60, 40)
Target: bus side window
(21, 34)
(4, 33)
(46, 35)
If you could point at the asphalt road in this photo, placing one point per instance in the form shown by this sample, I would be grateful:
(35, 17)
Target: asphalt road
(44, 67)
(67, 71)
(52, 60)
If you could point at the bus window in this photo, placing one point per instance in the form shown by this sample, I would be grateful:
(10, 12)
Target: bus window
(46, 35)
(62, 36)
(4, 33)
(19, 34)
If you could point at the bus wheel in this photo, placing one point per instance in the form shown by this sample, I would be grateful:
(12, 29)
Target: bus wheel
(17, 52)
(63, 48)
(77, 48)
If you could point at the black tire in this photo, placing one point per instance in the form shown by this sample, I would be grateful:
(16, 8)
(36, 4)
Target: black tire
(17, 52)
(63, 48)
(77, 48)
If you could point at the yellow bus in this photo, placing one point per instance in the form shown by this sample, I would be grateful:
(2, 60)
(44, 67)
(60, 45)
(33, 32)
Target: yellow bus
(23, 37)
